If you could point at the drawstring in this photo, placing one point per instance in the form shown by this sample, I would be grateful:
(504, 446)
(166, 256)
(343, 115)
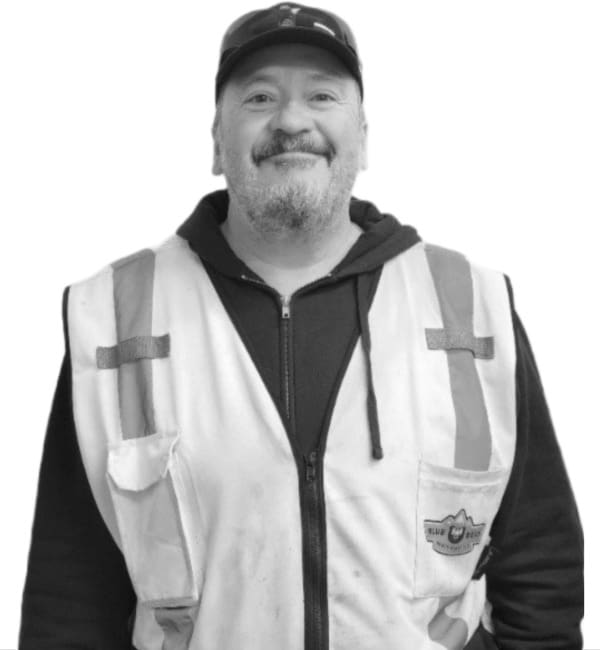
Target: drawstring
(365, 337)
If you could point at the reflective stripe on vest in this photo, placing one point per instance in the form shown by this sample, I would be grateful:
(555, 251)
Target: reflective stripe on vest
(403, 533)
(133, 284)
(452, 278)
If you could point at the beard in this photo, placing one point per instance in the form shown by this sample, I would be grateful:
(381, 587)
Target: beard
(295, 203)
(287, 209)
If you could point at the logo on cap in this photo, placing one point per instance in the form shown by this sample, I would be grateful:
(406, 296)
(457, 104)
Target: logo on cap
(454, 534)
(288, 21)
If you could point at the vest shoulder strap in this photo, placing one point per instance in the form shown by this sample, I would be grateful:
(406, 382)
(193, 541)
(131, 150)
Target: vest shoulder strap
(451, 273)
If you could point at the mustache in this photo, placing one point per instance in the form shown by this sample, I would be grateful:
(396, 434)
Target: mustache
(297, 144)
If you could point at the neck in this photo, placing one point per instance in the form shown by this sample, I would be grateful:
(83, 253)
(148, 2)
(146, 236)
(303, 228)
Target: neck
(289, 260)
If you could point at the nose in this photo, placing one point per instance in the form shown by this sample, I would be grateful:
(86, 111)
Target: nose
(291, 117)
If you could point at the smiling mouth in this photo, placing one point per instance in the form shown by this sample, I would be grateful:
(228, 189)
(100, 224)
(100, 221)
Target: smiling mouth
(297, 159)
(291, 155)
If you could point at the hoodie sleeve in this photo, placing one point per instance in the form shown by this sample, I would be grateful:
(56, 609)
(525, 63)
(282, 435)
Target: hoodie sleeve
(77, 591)
(535, 581)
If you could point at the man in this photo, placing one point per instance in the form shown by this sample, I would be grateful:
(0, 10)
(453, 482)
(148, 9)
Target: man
(294, 425)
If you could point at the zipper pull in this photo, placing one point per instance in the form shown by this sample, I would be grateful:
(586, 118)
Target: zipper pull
(311, 466)
(285, 307)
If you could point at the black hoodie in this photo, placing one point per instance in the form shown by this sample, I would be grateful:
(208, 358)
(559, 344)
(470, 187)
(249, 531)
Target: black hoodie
(77, 592)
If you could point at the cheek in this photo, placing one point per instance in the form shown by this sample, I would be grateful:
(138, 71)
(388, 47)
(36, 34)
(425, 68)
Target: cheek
(348, 149)
(232, 145)
(343, 133)
(239, 140)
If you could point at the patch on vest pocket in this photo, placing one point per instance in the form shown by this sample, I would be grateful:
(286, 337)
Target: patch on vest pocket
(454, 534)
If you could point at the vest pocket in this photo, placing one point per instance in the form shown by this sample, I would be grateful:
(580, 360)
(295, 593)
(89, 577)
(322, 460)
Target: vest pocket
(146, 483)
(455, 509)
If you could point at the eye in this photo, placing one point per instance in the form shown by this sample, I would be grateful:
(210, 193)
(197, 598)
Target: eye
(259, 98)
(323, 97)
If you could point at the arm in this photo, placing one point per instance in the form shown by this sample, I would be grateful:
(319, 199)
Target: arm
(535, 582)
(77, 591)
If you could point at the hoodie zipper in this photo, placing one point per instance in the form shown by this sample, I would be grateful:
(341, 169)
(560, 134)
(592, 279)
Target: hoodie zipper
(312, 497)
(286, 353)
(316, 605)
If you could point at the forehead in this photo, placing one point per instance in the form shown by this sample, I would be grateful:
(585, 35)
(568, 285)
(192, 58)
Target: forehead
(278, 60)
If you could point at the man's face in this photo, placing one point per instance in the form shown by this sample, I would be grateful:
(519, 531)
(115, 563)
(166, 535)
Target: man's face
(290, 138)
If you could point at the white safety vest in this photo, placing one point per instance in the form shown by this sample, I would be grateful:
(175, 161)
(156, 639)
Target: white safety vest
(198, 482)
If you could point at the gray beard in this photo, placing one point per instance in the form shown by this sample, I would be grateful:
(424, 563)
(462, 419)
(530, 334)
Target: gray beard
(293, 210)
(296, 209)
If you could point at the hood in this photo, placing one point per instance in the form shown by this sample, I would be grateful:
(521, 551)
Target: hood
(384, 237)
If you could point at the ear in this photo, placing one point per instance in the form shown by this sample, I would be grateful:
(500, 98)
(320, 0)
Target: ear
(217, 168)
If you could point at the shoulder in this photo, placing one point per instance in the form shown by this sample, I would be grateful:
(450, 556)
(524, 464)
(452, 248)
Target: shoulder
(450, 266)
(445, 257)
(127, 280)
(133, 264)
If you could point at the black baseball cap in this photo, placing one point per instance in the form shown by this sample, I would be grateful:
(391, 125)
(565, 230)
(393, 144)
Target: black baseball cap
(288, 23)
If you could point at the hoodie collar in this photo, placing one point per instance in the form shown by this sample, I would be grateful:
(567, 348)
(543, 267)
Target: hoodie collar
(383, 237)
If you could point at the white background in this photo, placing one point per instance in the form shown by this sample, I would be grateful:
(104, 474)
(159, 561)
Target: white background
(484, 134)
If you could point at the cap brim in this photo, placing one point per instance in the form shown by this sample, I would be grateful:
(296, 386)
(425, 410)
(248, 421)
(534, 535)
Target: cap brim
(290, 35)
